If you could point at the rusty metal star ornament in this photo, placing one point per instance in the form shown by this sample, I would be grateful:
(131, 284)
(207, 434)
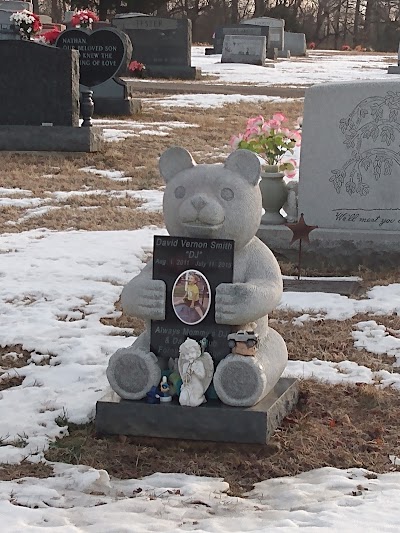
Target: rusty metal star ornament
(301, 230)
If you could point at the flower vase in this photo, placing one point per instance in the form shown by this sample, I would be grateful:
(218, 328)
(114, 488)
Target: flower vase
(274, 194)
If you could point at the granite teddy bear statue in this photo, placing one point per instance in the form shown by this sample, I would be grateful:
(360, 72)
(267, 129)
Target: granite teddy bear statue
(211, 201)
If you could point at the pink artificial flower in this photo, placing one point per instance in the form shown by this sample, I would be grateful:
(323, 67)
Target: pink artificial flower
(255, 121)
(296, 136)
(290, 173)
(273, 123)
(279, 117)
(266, 128)
(235, 141)
(251, 132)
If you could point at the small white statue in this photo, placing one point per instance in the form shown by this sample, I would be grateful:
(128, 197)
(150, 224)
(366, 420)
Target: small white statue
(196, 370)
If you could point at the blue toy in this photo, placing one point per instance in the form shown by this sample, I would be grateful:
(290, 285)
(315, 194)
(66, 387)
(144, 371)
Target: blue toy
(164, 394)
(152, 396)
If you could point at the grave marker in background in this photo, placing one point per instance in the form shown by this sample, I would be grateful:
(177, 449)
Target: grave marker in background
(249, 49)
(350, 157)
(162, 44)
(104, 57)
(235, 29)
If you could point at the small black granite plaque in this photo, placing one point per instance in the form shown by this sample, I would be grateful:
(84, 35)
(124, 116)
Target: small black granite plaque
(103, 53)
(192, 269)
(38, 83)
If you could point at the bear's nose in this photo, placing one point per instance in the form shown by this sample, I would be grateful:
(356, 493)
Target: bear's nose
(198, 202)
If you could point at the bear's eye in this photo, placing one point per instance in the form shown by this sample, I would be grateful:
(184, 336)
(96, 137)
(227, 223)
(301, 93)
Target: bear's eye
(180, 191)
(227, 194)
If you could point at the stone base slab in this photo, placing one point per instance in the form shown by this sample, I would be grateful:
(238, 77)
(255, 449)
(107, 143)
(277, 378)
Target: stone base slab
(173, 72)
(50, 139)
(333, 247)
(119, 107)
(394, 69)
(212, 421)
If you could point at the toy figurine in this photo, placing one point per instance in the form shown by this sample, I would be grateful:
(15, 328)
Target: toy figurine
(152, 396)
(164, 394)
(243, 342)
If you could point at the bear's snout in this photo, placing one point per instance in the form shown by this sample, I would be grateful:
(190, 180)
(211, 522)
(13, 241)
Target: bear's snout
(198, 202)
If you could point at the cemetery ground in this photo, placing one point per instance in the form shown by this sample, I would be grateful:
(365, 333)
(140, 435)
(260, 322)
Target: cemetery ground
(75, 229)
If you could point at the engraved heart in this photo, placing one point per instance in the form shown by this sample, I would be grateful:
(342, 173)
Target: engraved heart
(103, 53)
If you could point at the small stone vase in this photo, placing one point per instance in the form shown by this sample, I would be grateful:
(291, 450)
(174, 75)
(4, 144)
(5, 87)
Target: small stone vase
(274, 194)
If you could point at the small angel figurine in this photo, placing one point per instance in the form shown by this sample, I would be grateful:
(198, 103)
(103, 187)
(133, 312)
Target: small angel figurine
(196, 369)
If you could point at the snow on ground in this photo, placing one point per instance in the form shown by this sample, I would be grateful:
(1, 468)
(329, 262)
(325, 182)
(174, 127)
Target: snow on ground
(81, 499)
(208, 101)
(130, 128)
(319, 67)
(152, 199)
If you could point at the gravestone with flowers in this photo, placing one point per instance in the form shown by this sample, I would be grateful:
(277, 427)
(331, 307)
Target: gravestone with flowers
(349, 176)
(7, 11)
(104, 55)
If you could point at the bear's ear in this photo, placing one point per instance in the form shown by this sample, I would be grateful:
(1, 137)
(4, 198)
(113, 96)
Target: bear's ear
(245, 163)
(173, 161)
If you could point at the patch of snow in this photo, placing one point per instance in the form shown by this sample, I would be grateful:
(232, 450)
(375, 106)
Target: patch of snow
(209, 100)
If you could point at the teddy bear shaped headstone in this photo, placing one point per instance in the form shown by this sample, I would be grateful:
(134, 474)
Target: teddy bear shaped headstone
(216, 201)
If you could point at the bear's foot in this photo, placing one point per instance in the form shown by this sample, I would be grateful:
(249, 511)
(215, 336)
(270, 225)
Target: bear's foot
(244, 380)
(132, 373)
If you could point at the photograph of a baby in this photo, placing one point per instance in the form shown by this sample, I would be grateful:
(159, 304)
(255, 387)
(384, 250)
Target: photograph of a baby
(191, 297)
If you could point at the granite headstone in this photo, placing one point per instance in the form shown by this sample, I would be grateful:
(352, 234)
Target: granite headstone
(162, 44)
(249, 49)
(53, 84)
(236, 29)
(103, 53)
(276, 30)
(295, 43)
(350, 156)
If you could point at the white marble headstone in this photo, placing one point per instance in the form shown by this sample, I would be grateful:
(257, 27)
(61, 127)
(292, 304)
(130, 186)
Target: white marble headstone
(350, 156)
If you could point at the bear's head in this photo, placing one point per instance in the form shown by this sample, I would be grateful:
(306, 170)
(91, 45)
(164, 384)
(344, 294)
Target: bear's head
(220, 201)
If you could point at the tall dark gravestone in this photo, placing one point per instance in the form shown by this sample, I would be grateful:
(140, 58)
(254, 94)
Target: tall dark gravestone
(176, 260)
(162, 44)
(46, 118)
(104, 55)
(52, 75)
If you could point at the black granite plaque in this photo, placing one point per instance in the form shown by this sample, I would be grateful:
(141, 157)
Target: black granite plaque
(103, 53)
(158, 41)
(192, 269)
(38, 83)
(237, 29)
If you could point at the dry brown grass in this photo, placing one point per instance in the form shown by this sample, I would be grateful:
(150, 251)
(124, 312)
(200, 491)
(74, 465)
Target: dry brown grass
(25, 469)
(338, 426)
(137, 158)
(330, 340)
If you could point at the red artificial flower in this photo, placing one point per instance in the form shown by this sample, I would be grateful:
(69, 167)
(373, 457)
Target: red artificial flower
(37, 25)
(135, 65)
(346, 48)
(311, 46)
(51, 35)
(84, 17)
